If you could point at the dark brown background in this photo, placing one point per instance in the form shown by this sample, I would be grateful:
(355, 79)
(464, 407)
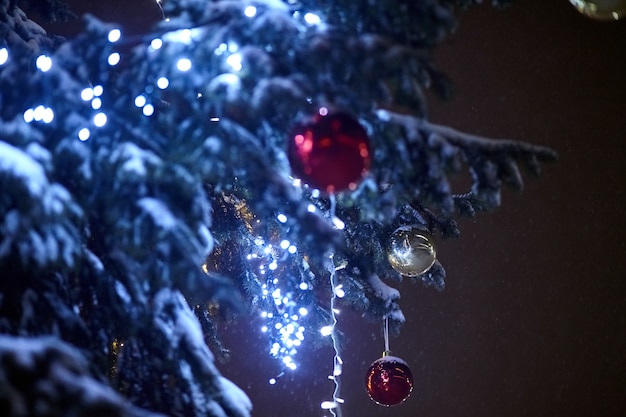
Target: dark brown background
(532, 321)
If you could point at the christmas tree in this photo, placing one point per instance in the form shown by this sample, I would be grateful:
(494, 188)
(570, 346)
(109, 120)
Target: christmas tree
(272, 158)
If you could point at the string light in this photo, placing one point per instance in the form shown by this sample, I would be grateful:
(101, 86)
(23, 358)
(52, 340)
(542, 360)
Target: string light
(114, 35)
(283, 316)
(43, 63)
(4, 55)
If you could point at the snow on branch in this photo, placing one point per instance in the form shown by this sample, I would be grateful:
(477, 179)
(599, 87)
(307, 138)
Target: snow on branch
(46, 377)
(492, 163)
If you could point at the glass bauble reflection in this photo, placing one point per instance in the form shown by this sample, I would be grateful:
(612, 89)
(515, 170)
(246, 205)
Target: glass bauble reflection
(411, 251)
(389, 381)
(601, 9)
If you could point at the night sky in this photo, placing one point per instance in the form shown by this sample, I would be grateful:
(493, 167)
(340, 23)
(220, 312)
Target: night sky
(532, 322)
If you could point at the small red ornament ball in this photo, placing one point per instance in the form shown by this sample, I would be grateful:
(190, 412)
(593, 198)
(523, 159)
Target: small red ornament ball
(389, 381)
(330, 153)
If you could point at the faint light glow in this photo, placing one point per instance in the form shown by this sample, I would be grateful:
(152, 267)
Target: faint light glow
(297, 182)
(312, 19)
(183, 64)
(264, 329)
(282, 218)
(163, 83)
(148, 110)
(96, 103)
(273, 266)
(29, 115)
(250, 11)
(326, 330)
(303, 311)
(140, 100)
(234, 61)
(43, 63)
(115, 35)
(86, 94)
(84, 134)
(323, 111)
(4, 55)
(311, 208)
(315, 193)
(221, 49)
(184, 36)
(98, 90)
(100, 119)
(114, 59)
(156, 43)
(292, 249)
(284, 244)
(214, 119)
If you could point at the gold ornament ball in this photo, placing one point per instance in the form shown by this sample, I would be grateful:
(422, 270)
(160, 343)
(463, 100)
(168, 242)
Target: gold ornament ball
(411, 251)
(601, 9)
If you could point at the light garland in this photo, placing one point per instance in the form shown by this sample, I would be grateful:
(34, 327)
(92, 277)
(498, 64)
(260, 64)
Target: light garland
(284, 317)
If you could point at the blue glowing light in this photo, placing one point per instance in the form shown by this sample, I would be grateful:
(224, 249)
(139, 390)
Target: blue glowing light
(4, 56)
(44, 63)
(114, 59)
(114, 35)
(183, 64)
(84, 134)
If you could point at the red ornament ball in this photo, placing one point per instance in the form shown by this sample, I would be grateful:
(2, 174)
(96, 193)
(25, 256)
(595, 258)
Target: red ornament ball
(330, 153)
(389, 381)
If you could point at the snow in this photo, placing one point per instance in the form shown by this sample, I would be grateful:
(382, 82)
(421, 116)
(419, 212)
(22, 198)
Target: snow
(20, 165)
(160, 213)
(235, 398)
(134, 159)
(122, 292)
(184, 326)
(382, 290)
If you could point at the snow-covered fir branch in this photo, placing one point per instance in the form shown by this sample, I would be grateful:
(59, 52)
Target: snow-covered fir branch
(148, 194)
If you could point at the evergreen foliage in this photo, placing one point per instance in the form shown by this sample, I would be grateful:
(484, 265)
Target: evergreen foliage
(102, 240)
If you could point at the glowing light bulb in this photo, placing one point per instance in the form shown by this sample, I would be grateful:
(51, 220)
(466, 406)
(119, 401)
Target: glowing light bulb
(140, 100)
(326, 330)
(156, 43)
(96, 103)
(4, 55)
(100, 119)
(44, 63)
(234, 61)
(282, 218)
(38, 113)
(163, 83)
(183, 64)
(312, 19)
(48, 115)
(98, 90)
(250, 11)
(29, 115)
(86, 94)
(84, 134)
(114, 59)
(148, 110)
(114, 35)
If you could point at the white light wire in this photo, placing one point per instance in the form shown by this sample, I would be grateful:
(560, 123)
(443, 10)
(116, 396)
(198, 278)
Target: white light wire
(337, 361)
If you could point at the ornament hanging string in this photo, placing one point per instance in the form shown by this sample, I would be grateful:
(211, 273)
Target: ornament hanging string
(386, 335)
